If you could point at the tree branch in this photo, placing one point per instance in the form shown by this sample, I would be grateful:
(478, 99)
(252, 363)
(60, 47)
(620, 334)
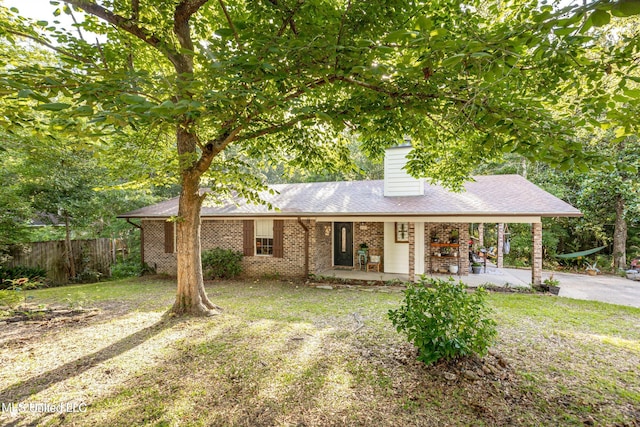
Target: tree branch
(50, 46)
(135, 10)
(127, 25)
(340, 33)
(214, 147)
(289, 19)
(73, 17)
(230, 22)
(184, 10)
(275, 128)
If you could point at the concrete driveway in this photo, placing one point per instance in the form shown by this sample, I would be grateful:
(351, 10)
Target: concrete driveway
(611, 289)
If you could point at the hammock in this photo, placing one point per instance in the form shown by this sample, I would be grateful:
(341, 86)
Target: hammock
(581, 253)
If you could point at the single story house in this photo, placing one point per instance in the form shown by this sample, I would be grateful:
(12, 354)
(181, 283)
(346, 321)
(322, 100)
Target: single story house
(415, 227)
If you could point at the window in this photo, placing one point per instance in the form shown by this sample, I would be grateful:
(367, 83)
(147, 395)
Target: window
(402, 232)
(264, 237)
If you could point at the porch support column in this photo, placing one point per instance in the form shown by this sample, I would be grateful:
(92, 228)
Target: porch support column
(480, 236)
(536, 254)
(500, 255)
(412, 251)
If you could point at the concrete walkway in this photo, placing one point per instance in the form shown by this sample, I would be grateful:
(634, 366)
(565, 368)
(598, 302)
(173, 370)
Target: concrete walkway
(604, 288)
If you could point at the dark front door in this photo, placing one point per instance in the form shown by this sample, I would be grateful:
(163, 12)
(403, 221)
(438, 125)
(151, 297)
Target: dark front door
(343, 244)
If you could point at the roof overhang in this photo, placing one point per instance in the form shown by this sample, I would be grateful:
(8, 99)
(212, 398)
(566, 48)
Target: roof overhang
(391, 217)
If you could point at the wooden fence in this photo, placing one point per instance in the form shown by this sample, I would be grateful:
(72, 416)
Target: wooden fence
(95, 255)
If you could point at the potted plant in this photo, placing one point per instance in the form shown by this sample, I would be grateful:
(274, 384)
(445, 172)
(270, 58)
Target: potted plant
(476, 267)
(551, 285)
(363, 248)
(592, 269)
(455, 234)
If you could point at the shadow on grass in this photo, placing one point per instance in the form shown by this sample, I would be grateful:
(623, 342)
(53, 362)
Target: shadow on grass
(237, 373)
(38, 383)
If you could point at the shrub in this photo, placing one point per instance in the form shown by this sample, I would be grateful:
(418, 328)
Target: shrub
(221, 263)
(444, 321)
(8, 274)
(13, 294)
(129, 268)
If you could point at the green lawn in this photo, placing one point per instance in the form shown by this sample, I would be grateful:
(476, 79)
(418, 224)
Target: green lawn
(286, 354)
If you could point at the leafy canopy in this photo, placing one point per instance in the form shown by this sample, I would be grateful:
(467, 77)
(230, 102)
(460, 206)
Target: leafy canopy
(285, 78)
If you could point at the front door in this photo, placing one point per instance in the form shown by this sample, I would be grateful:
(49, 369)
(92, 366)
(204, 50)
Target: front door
(343, 244)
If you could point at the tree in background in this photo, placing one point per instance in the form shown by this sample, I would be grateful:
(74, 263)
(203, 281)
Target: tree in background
(233, 80)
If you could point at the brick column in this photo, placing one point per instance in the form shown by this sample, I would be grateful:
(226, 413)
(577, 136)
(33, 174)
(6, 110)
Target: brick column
(412, 252)
(536, 261)
(480, 236)
(500, 255)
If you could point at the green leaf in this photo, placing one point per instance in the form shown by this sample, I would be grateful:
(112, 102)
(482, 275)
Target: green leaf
(54, 106)
(624, 8)
(481, 55)
(633, 93)
(132, 99)
(600, 17)
(452, 60)
(224, 32)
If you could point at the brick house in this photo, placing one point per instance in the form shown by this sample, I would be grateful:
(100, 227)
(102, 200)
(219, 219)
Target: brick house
(415, 227)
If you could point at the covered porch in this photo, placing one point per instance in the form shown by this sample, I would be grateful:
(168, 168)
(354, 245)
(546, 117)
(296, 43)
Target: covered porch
(504, 277)
(412, 246)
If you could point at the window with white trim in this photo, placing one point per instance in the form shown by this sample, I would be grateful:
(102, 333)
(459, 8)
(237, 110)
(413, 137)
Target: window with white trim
(264, 236)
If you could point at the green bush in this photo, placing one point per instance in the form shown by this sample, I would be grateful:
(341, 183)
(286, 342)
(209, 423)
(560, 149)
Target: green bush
(8, 274)
(221, 263)
(131, 267)
(444, 321)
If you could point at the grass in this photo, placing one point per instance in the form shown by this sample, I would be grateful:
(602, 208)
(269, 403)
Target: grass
(286, 354)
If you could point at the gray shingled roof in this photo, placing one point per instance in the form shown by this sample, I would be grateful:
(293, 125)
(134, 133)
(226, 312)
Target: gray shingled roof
(491, 195)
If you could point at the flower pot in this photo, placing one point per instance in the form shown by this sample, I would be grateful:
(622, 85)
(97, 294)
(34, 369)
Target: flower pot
(592, 272)
(475, 269)
(453, 269)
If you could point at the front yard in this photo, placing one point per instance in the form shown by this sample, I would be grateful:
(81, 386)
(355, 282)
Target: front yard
(283, 353)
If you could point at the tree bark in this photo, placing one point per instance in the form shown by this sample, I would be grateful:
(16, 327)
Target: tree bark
(191, 297)
(620, 236)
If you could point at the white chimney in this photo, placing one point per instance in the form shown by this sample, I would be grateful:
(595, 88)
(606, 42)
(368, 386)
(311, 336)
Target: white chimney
(397, 182)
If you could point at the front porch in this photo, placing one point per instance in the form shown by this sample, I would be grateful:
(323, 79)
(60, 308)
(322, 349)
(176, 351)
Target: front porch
(410, 249)
(504, 277)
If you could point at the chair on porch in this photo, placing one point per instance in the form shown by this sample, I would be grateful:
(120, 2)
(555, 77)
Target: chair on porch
(375, 259)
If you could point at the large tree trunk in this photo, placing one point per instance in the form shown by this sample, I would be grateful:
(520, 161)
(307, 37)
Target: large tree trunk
(190, 297)
(620, 237)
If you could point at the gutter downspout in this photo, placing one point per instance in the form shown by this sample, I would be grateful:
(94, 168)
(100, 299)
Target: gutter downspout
(306, 247)
(141, 240)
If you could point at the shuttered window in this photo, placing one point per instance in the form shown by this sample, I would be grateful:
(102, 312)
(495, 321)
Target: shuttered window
(169, 237)
(263, 237)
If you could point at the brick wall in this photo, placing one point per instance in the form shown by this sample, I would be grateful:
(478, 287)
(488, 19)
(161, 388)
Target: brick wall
(322, 258)
(371, 233)
(442, 231)
(227, 234)
(154, 254)
(292, 264)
